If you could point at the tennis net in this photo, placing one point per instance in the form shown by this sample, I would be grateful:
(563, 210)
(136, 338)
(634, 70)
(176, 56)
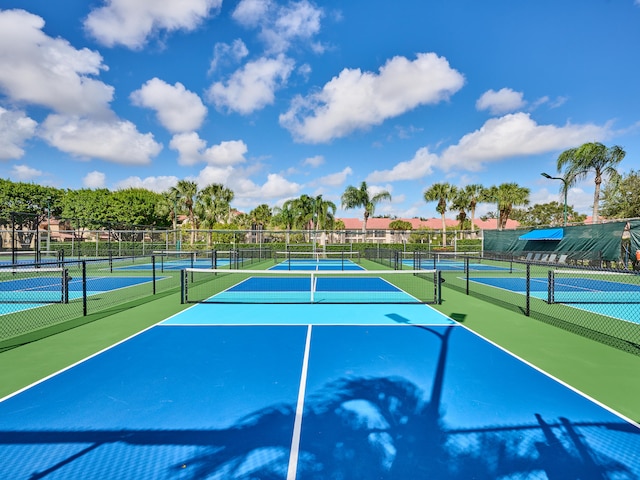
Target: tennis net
(310, 286)
(29, 256)
(34, 285)
(440, 260)
(593, 286)
(308, 258)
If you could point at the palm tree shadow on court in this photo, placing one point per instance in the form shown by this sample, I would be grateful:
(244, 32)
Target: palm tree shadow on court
(388, 428)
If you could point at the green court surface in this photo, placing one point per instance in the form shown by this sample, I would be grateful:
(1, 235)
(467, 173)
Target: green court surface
(606, 374)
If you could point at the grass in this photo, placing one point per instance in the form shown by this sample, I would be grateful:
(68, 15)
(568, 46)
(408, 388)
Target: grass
(604, 373)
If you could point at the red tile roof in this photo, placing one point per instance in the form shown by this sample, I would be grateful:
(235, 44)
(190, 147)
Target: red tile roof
(416, 223)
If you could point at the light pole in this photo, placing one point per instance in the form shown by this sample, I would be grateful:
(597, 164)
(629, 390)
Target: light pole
(566, 189)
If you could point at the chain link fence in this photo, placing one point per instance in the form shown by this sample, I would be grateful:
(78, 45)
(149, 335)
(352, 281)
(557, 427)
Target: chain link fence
(586, 298)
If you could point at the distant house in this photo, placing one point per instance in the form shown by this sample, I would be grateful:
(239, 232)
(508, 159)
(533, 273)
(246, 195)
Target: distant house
(378, 230)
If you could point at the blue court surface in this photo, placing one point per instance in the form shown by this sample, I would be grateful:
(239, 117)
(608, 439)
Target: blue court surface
(174, 265)
(453, 265)
(314, 391)
(321, 264)
(605, 297)
(24, 294)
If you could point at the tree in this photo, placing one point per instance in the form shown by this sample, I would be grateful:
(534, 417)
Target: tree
(361, 198)
(507, 195)
(285, 217)
(86, 209)
(475, 192)
(442, 193)
(596, 157)
(325, 211)
(551, 213)
(186, 191)
(213, 204)
(461, 202)
(622, 200)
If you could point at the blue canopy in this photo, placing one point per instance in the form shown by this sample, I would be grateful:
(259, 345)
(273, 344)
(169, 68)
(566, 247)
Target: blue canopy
(545, 234)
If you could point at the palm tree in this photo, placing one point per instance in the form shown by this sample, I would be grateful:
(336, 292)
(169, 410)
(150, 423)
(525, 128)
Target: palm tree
(325, 211)
(461, 202)
(441, 193)
(508, 195)
(591, 157)
(214, 200)
(475, 192)
(359, 197)
(186, 192)
(324, 215)
(285, 216)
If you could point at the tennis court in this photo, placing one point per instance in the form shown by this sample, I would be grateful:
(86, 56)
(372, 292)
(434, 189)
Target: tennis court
(26, 288)
(446, 261)
(310, 391)
(604, 293)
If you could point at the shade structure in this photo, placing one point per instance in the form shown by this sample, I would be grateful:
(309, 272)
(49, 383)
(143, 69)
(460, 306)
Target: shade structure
(543, 234)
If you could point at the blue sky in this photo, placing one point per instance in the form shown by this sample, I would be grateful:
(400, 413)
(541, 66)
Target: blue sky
(275, 99)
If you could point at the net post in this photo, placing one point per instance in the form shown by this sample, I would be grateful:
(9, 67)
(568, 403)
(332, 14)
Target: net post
(84, 287)
(214, 258)
(183, 286)
(312, 287)
(467, 282)
(551, 286)
(153, 270)
(528, 293)
(65, 286)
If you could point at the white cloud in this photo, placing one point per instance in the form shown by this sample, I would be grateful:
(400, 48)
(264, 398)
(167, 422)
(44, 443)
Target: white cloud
(226, 153)
(155, 184)
(45, 71)
(192, 150)
(130, 23)
(357, 100)
(248, 193)
(94, 179)
(515, 135)
(189, 146)
(213, 174)
(117, 141)
(503, 101)
(419, 166)
(336, 179)
(577, 198)
(222, 52)
(15, 129)
(314, 161)
(280, 25)
(24, 173)
(252, 87)
(178, 109)
(250, 12)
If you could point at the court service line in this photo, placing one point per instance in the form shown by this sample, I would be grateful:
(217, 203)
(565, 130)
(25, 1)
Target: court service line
(297, 424)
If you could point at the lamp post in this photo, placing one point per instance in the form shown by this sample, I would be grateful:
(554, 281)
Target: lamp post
(566, 189)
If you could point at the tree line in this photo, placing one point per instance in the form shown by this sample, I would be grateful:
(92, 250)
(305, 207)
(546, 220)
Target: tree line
(210, 207)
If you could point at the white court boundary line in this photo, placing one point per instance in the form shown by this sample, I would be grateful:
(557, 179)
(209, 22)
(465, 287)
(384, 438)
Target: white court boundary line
(297, 424)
